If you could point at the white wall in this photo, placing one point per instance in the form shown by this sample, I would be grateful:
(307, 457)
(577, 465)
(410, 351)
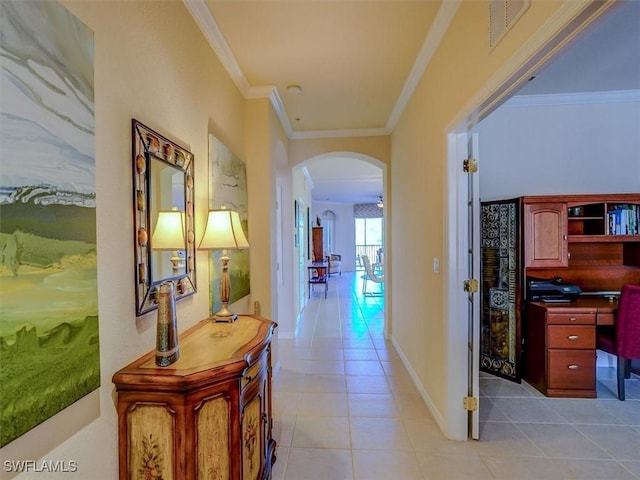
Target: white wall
(344, 235)
(560, 149)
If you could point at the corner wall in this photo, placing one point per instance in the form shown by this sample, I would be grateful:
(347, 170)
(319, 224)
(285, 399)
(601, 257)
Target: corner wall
(462, 74)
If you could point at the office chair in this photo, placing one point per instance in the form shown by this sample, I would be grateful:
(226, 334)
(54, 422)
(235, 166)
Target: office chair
(623, 338)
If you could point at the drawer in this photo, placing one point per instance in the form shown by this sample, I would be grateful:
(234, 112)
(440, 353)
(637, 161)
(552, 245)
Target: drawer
(571, 318)
(571, 336)
(252, 372)
(572, 369)
(606, 319)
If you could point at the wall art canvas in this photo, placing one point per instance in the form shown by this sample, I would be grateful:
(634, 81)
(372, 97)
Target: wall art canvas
(49, 349)
(228, 188)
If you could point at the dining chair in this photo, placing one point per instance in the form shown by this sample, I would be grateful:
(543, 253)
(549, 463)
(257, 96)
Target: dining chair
(371, 275)
(623, 338)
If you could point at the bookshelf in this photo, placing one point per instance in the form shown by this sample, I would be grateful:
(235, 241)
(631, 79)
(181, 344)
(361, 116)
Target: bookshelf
(599, 257)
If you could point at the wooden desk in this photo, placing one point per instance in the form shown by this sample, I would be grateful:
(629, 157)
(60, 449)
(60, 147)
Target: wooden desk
(560, 345)
(318, 274)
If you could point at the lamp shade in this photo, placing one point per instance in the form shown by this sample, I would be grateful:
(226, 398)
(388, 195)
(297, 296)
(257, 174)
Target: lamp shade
(223, 231)
(169, 231)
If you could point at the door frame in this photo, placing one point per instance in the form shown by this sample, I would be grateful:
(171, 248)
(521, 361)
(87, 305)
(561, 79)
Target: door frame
(556, 36)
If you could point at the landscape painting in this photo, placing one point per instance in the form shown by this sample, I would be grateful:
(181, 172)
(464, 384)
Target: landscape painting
(49, 349)
(228, 187)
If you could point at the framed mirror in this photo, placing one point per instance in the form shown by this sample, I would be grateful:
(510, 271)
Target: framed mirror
(164, 236)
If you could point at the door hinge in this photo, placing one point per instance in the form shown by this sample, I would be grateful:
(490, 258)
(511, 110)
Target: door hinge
(470, 165)
(471, 285)
(470, 403)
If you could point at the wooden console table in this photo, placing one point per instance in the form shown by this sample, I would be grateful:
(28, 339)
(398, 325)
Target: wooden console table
(208, 415)
(560, 353)
(318, 275)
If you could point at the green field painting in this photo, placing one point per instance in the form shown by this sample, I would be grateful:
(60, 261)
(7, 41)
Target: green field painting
(49, 344)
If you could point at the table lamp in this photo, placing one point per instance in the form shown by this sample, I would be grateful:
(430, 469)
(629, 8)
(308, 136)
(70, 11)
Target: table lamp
(224, 232)
(169, 235)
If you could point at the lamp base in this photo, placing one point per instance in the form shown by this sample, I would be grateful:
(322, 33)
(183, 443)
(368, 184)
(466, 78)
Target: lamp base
(224, 315)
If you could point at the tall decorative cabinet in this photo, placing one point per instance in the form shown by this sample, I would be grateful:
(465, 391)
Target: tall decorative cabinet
(208, 415)
(590, 240)
(317, 244)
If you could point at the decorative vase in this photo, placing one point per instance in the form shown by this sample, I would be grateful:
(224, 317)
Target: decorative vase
(167, 330)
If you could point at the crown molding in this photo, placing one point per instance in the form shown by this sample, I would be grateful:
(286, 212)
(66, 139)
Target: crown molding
(445, 15)
(203, 17)
(205, 20)
(307, 176)
(362, 132)
(573, 98)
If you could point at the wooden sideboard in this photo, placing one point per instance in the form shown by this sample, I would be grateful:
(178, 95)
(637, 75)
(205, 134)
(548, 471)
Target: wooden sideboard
(208, 415)
(560, 348)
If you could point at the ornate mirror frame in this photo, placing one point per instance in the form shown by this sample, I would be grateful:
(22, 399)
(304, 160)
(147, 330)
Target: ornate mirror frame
(151, 148)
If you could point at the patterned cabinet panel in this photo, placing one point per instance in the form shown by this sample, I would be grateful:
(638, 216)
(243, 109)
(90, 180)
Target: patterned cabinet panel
(151, 441)
(213, 442)
(253, 426)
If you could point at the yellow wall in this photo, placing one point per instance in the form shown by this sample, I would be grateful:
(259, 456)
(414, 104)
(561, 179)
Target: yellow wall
(377, 147)
(462, 72)
(153, 64)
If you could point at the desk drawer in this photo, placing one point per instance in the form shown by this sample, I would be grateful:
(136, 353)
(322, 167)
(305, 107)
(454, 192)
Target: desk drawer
(571, 336)
(572, 369)
(606, 319)
(571, 318)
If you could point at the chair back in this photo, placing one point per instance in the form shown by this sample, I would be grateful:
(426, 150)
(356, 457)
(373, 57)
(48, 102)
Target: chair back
(370, 273)
(628, 323)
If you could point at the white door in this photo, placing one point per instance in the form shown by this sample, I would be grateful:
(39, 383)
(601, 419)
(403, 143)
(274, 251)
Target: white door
(463, 305)
(473, 295)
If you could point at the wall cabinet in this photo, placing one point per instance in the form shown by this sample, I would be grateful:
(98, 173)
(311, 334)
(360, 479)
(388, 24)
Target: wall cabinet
(575, 237)
(545, 234)
(208, 415)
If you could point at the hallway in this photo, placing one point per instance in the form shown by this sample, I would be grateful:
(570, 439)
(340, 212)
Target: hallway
(345, 408)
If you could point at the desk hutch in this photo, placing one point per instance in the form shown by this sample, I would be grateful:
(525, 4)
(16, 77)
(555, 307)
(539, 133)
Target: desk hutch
(590, 240)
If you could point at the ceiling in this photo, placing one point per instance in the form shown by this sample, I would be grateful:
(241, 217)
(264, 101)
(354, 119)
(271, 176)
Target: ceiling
(357, 62)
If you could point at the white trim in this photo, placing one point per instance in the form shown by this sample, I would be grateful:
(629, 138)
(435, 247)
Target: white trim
(437, 415)
(203, 17)
(561, 28)
(573, 98)
(445, 15)
(205, 20)
(363, 132)
(456, 335)
(307, 176)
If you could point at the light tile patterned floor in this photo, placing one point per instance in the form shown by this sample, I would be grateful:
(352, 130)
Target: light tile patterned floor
(345, 408)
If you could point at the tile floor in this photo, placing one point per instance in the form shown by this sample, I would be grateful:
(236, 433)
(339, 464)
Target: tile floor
(345, 408)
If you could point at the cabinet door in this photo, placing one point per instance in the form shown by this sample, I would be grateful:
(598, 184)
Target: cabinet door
(545, 235)
(253, 430)
(213, 438)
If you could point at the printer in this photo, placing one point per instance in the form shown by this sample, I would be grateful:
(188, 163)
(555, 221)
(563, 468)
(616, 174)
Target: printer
(551, 291)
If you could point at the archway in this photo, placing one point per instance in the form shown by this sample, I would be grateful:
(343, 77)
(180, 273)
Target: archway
(353, 189)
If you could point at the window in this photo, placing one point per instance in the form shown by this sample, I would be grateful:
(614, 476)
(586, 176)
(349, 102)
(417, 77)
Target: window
(369, 238)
